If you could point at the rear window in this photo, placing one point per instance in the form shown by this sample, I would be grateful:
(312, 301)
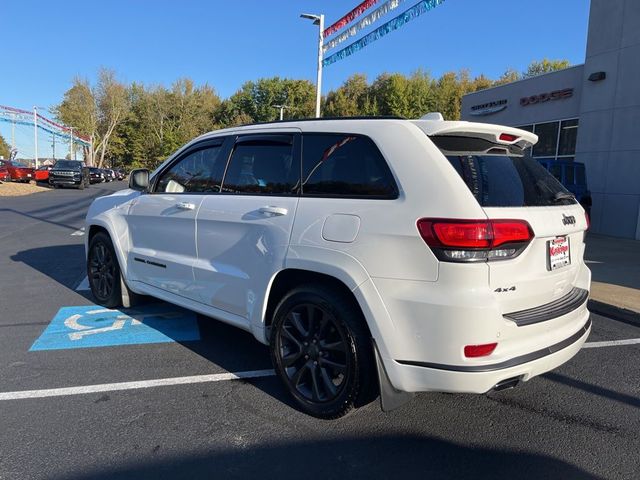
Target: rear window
(501, 181)
(262, 166)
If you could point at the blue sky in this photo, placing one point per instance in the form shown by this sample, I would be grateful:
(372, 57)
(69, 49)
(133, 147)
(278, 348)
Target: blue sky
(225, 43)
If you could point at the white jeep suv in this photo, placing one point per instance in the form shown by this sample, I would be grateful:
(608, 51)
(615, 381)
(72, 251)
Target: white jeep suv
(374, 256)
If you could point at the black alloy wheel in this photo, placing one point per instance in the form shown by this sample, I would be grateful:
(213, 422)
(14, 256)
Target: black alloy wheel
(321, 349)
(103, 271)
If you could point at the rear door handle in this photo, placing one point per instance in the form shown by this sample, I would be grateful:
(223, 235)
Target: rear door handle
(185, 206)
(275, 211)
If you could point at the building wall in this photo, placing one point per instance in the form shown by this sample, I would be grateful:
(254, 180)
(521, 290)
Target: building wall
(609, 133)
(516, 114)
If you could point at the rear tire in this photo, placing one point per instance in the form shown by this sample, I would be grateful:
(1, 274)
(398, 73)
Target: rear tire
(321, 350)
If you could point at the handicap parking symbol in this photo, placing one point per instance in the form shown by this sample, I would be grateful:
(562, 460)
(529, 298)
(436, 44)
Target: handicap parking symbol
(94, 326)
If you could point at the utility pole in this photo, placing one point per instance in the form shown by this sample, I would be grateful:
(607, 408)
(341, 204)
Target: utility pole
(318, 20)
(54, 146)
(281, 107)
(35, 133)
(13, 131)
(71, 144)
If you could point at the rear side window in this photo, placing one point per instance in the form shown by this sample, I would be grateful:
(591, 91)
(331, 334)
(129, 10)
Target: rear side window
(501, 181)
(342, 165)
(262, 164)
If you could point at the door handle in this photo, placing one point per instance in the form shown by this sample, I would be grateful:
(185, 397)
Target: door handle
(274, 211)
(185, 206)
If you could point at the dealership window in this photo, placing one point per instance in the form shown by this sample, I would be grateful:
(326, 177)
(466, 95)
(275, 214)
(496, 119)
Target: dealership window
(547, 139)
(556, 140)
(568, 135)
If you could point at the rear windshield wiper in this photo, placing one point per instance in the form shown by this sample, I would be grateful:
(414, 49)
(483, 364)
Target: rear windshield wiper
(563, 196)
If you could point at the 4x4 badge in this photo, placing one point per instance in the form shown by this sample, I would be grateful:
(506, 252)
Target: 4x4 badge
(568, 220)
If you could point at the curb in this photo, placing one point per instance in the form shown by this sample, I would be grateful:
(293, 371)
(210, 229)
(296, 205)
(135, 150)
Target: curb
(616, 313)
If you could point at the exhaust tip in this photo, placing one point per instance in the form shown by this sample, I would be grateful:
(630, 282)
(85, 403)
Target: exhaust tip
(507, 384)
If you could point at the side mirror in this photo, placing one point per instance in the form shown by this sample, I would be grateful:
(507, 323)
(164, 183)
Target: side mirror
(139, 180)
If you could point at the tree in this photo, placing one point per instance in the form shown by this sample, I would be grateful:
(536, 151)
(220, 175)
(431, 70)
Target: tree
(255, 101)
(545, 66)
(5, 150)
(352, 98)
(95, 112)
(161, 120)
(510, 75)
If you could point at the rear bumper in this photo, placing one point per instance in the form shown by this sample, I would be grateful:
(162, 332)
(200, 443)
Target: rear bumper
(481, 379)
(421, 329)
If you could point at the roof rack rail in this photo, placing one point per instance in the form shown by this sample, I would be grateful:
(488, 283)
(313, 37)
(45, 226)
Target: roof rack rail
(290, 120)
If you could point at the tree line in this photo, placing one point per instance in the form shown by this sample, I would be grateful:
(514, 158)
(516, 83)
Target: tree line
(139, 126)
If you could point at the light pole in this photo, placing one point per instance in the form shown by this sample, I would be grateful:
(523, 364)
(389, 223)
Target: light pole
(318, 20)
(281, 107)
(35, 133)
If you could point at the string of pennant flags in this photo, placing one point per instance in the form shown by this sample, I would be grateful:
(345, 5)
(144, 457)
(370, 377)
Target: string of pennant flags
(18, 116)
(401, 20)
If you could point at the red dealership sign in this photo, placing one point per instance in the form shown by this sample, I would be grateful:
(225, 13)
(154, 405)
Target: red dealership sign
(545, 97)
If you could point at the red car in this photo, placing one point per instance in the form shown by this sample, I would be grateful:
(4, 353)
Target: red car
(5, 176)
(19, 171)
(42, 173)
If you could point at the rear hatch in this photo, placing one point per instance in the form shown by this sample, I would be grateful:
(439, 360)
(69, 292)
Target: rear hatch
(509, 185)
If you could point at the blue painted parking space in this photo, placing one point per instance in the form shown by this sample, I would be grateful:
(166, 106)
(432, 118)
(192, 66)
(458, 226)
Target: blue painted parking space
(95, 326)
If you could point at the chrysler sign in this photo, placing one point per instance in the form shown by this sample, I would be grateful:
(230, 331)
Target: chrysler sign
(489, 107)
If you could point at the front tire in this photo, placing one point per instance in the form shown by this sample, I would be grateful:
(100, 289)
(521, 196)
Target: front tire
(321, 350)
(103, 271)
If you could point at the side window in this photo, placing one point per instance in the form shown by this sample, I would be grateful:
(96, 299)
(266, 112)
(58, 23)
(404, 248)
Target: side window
(197, 172)
(262, 164)
(345, 165)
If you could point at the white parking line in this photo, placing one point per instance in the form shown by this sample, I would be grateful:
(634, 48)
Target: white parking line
(78, 233)
(612, 343)
(84, 285)
(114, 387)
(217, 377)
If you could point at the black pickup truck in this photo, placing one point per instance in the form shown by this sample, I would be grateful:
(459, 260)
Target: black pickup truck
(69, 173)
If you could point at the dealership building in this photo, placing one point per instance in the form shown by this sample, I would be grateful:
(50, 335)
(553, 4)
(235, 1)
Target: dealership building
(588, 113)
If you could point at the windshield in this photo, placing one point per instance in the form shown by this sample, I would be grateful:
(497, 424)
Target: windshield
(501, 181)
(19, 164)
(67, 165)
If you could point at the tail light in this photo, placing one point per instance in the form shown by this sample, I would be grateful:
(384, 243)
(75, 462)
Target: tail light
(586, 216)
(454, 240)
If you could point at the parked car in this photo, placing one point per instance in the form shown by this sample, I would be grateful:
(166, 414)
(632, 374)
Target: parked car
(387, 256)
(96, 175)
(5, 176)
(42, 173)
(108, 175)
(69, 173)
(119, 173)
(18, 171)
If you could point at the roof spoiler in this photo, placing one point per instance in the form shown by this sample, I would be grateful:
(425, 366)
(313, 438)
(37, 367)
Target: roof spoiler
(465, 138)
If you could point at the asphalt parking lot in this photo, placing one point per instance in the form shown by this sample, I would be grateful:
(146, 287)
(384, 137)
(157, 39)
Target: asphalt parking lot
(184, 417)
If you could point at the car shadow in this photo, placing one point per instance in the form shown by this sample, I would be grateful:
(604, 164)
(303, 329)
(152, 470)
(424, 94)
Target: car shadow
(373, 456)
(62, 263)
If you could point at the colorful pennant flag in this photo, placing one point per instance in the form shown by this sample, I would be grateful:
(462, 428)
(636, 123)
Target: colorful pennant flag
(401, 20)
(349, 17)
(370, 19)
